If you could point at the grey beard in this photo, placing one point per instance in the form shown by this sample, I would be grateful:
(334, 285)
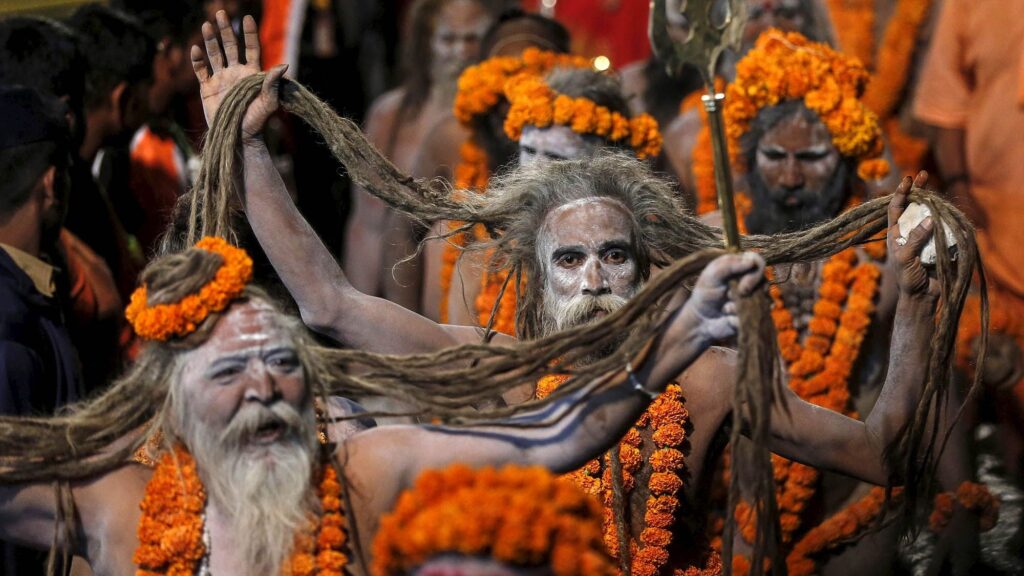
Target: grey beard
(264, 491)
(578, 311)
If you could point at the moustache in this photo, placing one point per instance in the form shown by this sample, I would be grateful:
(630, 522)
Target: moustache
(793, 198)
(583, 309)
(260, 424)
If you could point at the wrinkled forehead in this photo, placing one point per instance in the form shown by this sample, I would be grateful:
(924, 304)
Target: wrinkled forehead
(247, 326)
(586, 221)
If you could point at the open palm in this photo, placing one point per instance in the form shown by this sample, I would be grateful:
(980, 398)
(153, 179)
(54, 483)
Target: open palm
(221, 68)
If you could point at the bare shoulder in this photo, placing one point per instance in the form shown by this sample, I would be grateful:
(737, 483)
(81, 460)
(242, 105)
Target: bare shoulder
(383, 112)
(713, 366)
(680, 138)
(447, 129)
(634, 84)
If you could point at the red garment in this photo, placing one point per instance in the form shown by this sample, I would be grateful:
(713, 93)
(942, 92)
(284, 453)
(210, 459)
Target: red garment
(613, 28)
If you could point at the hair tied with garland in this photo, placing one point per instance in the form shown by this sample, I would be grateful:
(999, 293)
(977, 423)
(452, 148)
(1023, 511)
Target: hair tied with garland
(787, 66)
(534, 103)
(164, 321)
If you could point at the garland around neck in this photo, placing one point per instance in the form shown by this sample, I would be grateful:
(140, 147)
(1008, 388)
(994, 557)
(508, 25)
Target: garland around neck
(171, 529)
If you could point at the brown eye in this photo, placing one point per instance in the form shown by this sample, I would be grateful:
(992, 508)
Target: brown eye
(569, 260)
(615, 257)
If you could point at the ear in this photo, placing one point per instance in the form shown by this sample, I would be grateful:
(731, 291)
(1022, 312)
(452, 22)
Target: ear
(116, 102)
(49, 192)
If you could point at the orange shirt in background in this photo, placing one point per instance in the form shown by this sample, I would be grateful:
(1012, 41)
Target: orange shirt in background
(972, 80)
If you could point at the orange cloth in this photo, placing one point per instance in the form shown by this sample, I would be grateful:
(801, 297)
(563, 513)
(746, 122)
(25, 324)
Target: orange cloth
(971, 81)
(158, 177)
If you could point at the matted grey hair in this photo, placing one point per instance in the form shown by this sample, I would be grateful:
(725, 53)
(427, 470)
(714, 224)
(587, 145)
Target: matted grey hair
(530, 193)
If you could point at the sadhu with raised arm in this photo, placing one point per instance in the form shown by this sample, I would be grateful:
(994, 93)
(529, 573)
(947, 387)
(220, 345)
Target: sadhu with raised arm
(580, 238)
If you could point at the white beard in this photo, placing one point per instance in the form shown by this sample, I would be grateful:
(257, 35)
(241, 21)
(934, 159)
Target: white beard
(565, 313)
(265, 492)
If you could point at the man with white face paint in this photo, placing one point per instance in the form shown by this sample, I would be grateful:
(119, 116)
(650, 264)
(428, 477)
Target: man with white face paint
(571, 113)
(584, 235)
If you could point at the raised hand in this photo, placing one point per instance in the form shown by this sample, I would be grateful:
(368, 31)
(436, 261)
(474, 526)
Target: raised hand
(905, 253)
(225, 70)
(711, 308)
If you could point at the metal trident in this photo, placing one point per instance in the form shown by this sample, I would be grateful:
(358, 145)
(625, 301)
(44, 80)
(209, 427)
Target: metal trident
(708, 37)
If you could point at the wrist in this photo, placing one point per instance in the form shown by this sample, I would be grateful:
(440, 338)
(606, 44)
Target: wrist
(254, 141)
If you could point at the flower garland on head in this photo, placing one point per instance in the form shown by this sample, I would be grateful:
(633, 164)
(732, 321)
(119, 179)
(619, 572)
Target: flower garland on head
(181, 318)
(172, 525)
(518, 516)
(534, 103)
(783, 67)
(482, 86)
(666, 419)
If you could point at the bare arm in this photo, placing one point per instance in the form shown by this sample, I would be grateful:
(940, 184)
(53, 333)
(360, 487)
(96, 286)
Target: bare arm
(27, 515)
(327, 301)
(579, 427)
(828, 440)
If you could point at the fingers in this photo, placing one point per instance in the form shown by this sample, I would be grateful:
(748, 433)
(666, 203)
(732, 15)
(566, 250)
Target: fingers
(748, 268)
(900, 199)
(919, 236)
(227, 38)
(752, 279)
(251, 38)
(272, 82)
(199, 64)
(921, 180)
(213, 52)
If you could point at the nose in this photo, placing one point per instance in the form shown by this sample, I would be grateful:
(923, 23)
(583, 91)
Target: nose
(595, 283)
(261, 386)
(791, 176)
(464, 48)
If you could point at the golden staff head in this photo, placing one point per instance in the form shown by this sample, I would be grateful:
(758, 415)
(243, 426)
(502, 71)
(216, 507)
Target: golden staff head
(715, 25)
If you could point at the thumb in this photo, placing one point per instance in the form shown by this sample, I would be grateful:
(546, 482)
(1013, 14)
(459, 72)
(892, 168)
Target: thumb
(272, 81)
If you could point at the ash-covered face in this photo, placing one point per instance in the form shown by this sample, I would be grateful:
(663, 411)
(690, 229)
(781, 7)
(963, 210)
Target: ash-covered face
(798, 178)
(586, 249)
(553, 143)
(453, 565)
(459, 27)
(249, 363)
(243, 409)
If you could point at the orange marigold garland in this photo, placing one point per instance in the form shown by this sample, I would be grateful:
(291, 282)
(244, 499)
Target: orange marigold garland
(171, 528)
(520, 516)
(165, 321)
(666, 419)
(482, 86)
(533, 103)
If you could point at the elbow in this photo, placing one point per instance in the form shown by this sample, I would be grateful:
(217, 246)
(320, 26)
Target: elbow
(325, 315)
